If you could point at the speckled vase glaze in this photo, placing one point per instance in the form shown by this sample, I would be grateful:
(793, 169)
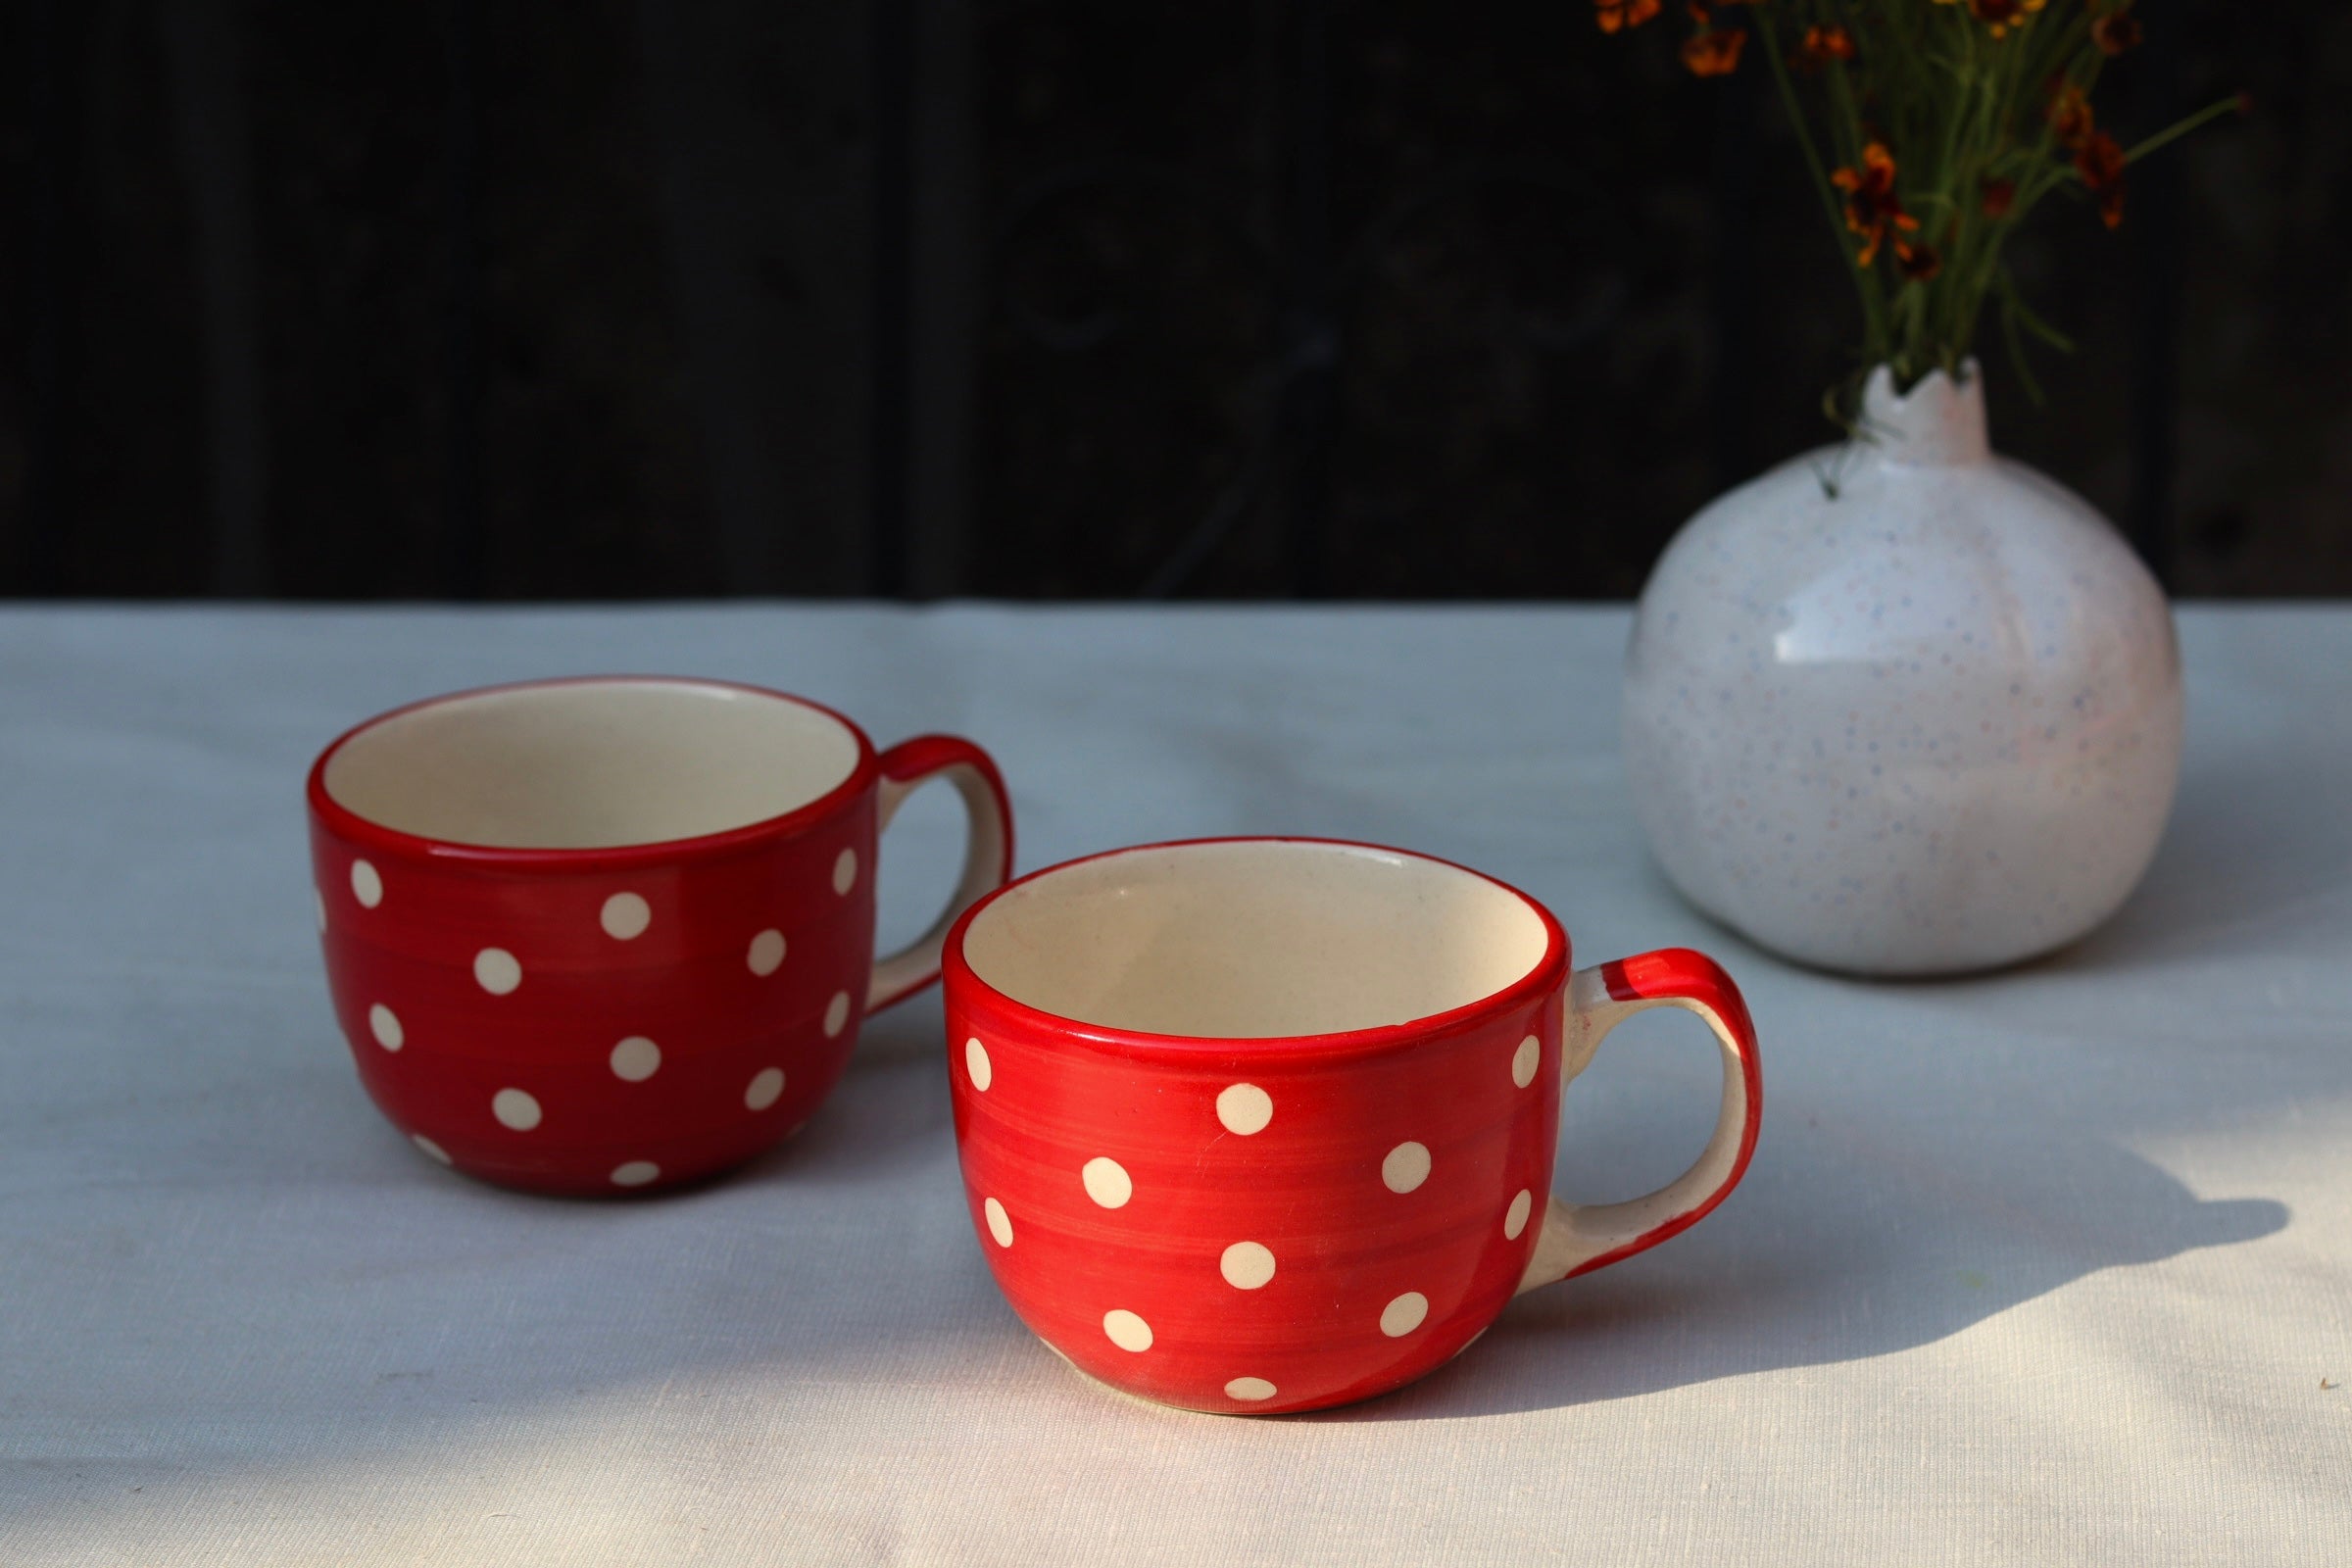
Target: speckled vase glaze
(1904, 708)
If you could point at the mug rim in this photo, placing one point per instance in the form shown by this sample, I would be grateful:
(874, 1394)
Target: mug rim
(346, 823)
(1550, 973)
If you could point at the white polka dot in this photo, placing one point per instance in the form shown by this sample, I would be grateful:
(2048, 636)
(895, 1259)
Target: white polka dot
(837, 1014)
(1407, 1167)
(768, 952)
(319, 898)
(635, 1059)
(1245, 1108)
(1000, 1223)
(1106, 1182)
(366, 885)
(1524, 1061)
(431, 1150)
(385, 1027)
(1247, 1265)
(1127, 1330)
(845, 871)
(497, 971)
(1515, 1221)
(765, 1088)
(1405, 1314)
(625, 917)
(976, 1062)
(1251, 1389)
(636, 1173)
(515, 1108)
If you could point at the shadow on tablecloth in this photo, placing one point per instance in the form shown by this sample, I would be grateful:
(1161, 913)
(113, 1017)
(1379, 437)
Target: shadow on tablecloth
(1936, 1153)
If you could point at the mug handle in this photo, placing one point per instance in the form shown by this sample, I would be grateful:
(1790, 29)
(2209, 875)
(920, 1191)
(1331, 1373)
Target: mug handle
(987, 852)
(1579, 1238)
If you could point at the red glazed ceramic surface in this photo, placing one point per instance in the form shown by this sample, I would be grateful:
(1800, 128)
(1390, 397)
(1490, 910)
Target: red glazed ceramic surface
(606, 1017)
(1260, 1223)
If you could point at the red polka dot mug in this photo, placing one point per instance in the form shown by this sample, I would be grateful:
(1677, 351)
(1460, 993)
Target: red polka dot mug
(1260, 1125)
(601, 935)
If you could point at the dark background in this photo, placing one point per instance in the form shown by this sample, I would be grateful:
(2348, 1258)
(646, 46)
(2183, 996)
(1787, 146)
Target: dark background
(1033, 298)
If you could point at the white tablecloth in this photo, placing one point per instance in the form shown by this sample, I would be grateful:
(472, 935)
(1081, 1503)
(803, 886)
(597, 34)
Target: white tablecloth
(2050, 1266)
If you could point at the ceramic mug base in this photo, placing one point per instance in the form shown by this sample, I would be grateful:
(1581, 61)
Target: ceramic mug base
(1302, 1407)
(679, 1173)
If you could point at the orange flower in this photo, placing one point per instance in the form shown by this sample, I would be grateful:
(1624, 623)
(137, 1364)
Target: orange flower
(1712, 51)
(2114, 32)
(1916, 262)
(1823, 44)
(1999, 15)
(2100, 162)
(2070, 115)
(1615, 14)
(1999, 196)
(1871, 208)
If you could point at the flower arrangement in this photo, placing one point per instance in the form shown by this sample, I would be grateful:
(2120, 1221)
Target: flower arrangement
(1946, 123)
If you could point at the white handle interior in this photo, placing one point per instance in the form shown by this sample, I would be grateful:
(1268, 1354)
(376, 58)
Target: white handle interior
(984, 864)
(1580, 1235)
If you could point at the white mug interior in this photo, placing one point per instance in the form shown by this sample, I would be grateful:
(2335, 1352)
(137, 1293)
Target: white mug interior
(591, 764)
(1255, 939)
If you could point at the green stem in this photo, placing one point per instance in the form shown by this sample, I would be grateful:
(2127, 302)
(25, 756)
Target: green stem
(2181, 128)
(1962, 127)
(1874, 328)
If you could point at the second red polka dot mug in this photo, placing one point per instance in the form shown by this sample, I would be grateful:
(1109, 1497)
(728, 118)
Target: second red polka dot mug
(599, 935)
(1258, 1125)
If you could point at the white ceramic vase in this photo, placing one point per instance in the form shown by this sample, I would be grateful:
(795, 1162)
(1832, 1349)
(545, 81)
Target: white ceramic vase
(1903, 706)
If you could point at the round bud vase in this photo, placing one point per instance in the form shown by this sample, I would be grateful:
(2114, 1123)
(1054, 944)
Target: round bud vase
(1903, 706)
